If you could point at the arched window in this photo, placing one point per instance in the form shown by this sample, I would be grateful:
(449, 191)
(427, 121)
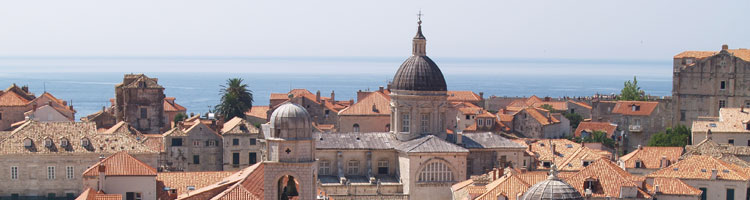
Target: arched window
(436, 171)
(27, 142)
(355, 128)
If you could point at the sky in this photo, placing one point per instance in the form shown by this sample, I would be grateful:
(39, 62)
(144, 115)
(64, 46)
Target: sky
(493, 29)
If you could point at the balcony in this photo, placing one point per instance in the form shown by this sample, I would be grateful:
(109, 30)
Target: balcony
(635, 128)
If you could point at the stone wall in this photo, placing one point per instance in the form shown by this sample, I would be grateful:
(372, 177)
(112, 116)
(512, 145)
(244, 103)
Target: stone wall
(367, 123)
(244, 148)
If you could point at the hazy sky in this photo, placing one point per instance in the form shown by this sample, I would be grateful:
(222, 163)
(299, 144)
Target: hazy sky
(586, 29)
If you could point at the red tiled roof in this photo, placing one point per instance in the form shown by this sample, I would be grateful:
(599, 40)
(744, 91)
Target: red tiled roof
(582, 104)
(464, 96)
(179, 181)
(91, 194)
(610, 178)
(467, 108)
(699, 167)
(626, 107)
(673, 186)
(12, 99)
(590, 127)
(121, 164)
(540, 117)
(170, 107)
(260, 112)
(743, 54)
(375, 103)
(508, 186)
(650, 157)
(244, 184)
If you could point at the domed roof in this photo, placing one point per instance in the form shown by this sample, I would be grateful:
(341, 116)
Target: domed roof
(290, 121)
(552, 188)
(419, 72)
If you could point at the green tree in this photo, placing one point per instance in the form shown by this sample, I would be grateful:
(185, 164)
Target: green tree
(600, 137)
(179, 117)
(574, 118)
(677, 136)
(632, 92)
(236, 99)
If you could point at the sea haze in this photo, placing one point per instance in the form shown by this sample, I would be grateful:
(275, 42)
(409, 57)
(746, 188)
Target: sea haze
(88, 82)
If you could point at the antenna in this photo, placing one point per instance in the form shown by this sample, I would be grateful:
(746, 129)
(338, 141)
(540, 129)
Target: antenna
(45, 86)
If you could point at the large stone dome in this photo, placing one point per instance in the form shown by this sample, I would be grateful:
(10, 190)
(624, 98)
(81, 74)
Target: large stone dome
(290, 121)
(552, 189)
(419, 73)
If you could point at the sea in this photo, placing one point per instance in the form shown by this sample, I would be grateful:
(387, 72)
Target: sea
(88, 82)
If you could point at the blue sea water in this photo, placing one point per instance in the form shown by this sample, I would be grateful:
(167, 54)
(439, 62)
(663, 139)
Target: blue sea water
(89, 83)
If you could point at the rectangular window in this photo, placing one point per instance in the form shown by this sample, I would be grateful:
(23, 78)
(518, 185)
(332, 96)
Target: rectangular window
(723, 85)
(235, 141)
(253, 158)
(480, 122)
(51, 172)
(235, 158)
(468, 117)
(1, 116)
(730, 141)
(69, 172)
(196, 159)
(405, 122)
(383, 167)
(353, 167)
(144, 113)
(722, 104)
(704, 193)
(133, 196)
(176, 142)
(253, 141)
(197, 143)
(682, 115)
(14, 173)
(325, 167)
(51, 196)
(488, 122)
(425, 123)
(546, 164)
(730, 194)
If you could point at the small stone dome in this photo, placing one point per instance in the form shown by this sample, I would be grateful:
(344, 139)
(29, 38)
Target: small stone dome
(290, 121)
(552, 188)
(419, 73)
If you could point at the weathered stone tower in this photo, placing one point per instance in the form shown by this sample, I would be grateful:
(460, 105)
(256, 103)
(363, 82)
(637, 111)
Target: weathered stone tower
(291, 166)
(418, 95)
(139, 100)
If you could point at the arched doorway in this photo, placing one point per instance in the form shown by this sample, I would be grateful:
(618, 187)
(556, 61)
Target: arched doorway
(288, 188)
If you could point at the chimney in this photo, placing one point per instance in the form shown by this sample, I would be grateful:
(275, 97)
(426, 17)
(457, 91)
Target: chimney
(724, 47)
(380, 89)
(664, 161)
(493, 174)
(333, 97)
(173, 194)
(25, 88)
(481, 95)
(102, 171)
(640, 147)
(65, 103)
(552, 146)
(317, 96)
(104, 108)
(714, 173)
(459, 137)
(656, 189)
(351, 102)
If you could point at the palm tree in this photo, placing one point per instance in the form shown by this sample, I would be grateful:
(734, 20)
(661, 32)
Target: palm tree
(236, 99)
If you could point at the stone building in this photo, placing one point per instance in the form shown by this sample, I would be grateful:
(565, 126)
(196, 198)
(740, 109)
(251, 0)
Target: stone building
(140, 101)
(705, 81)
(195, 148)
(540, 123)
(122, 174)
(636, 120)
(738, 155)
(243, 144)
(731, 127)
(46, 159)
(18, 104)
(324, 110)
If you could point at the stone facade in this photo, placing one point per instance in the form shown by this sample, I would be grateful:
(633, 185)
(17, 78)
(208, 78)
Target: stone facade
(539, 123)
(139, 100)
(417, 113)
(243, 144)
(705, 81)
(636, 120)
(197, 148)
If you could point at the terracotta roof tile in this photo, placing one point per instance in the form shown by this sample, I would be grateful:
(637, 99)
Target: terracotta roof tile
(508, 186)
(12, 99)
(375, 103)
(91, 194)
(179, 181)
(743, 54)
(673, 186)
(731, 120)
(238, 125)
(258, 112)
(568, 156)
(590, 127)
(582, 104)
(464, 96)
(250, 179)
(540, 116)
(650, 157)
(121, 164)
(643, 108)
(610, 178)
(700, 167)
(172, 107)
